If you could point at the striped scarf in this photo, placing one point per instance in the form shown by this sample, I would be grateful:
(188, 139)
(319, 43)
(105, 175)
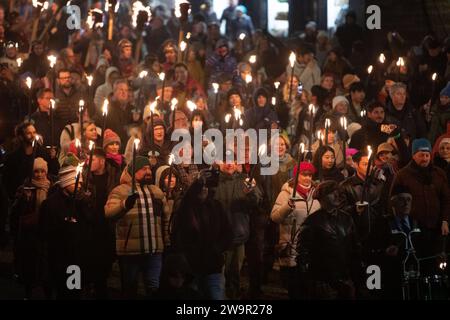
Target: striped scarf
(149, 225)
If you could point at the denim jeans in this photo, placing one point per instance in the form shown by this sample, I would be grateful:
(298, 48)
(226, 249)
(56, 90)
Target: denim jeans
(211, 286)
(130, 266)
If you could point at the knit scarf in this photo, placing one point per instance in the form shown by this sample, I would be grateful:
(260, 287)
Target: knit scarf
(42, 187)
(117, 158)
(303, 190)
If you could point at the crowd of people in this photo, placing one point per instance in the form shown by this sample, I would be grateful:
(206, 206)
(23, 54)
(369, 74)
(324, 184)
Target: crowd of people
(88, 177)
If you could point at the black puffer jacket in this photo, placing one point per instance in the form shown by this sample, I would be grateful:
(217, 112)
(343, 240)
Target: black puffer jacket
(329, 246)
(408, 119)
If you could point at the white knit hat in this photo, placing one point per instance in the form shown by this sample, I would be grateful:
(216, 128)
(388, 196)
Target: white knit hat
(339, 99)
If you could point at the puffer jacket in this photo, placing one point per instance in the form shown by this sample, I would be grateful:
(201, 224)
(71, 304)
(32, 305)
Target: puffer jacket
(290, 221)
(144, 228)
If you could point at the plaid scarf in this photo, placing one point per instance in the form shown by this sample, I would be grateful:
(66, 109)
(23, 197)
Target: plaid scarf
(149, 224)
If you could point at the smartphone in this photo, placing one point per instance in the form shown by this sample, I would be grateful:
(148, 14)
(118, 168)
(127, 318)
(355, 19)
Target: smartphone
(300, 89)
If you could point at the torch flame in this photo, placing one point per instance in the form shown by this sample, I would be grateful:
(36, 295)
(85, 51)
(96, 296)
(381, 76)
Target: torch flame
(242, 36)
(252, 59)
(302, 148)
(434, 76)
(91, 145)
(369, 69)
(369, 152)
(311, 109)
(215, 87)
(274, 101)
(173, 103)
(188, 36)
(136, 143)
(52, 103)
(227, 118)
(191, 105)
(19, 62)
(327, 123)
(79, 168)
(143, 74)
(81, 103)
(248, 78)
(382, 58)
(77, 143)
(105, 107)
(89, 80)
(52, 60)
(162, 76)
(237, 113)
(28, 82)
(276, 84)
(171, 159)
(183, 46)
(292, 58)
(343, 122)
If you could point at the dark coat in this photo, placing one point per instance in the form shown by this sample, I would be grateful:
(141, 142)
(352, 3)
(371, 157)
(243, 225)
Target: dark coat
(201, 231)
(329, 245)
(118, 121)
(42, 123)
(408, 119)
(18, 167)
(430, 193)
(67, 243)
(67, 104)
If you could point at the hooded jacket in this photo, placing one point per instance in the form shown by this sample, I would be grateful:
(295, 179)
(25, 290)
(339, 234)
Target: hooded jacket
(260, 117)
(104, 90)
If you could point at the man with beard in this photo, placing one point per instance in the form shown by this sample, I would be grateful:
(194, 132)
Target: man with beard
(142, 221)
(430, 198)
(67, 97)
(328, 247)
(19, 163)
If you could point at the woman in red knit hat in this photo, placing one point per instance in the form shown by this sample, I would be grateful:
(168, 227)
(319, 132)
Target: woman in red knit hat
(290, 214)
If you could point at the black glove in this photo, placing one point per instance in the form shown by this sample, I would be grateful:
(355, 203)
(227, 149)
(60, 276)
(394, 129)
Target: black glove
(131, 200)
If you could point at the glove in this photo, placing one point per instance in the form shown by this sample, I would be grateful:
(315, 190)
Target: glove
(131, 200)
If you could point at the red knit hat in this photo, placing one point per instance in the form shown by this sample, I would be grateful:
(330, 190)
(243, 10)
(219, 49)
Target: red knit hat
(110, 137)
(305, 166)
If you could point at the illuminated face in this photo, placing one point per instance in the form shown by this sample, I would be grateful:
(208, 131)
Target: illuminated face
(328, 160)
(235, 100)
(377, 115)
(30, 134)
(358, 96)
(112, 148)
(444, 151)
(127, 52)
(384, 156)
(399, 98)
(445, 101)
(342, 107)
(121, 92)
(65, 80)
(281, 147)
(98, 164)
(168, 91)
(228, 168)
(173, 181)
(181, 74)
(361, 167)
(91, 132)
(305, 178)
(171, 55)
(422, 158)
(158, 133)
(144, 174)
(39, 174)
(262, 100)
(44, 102)
(328, 83)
